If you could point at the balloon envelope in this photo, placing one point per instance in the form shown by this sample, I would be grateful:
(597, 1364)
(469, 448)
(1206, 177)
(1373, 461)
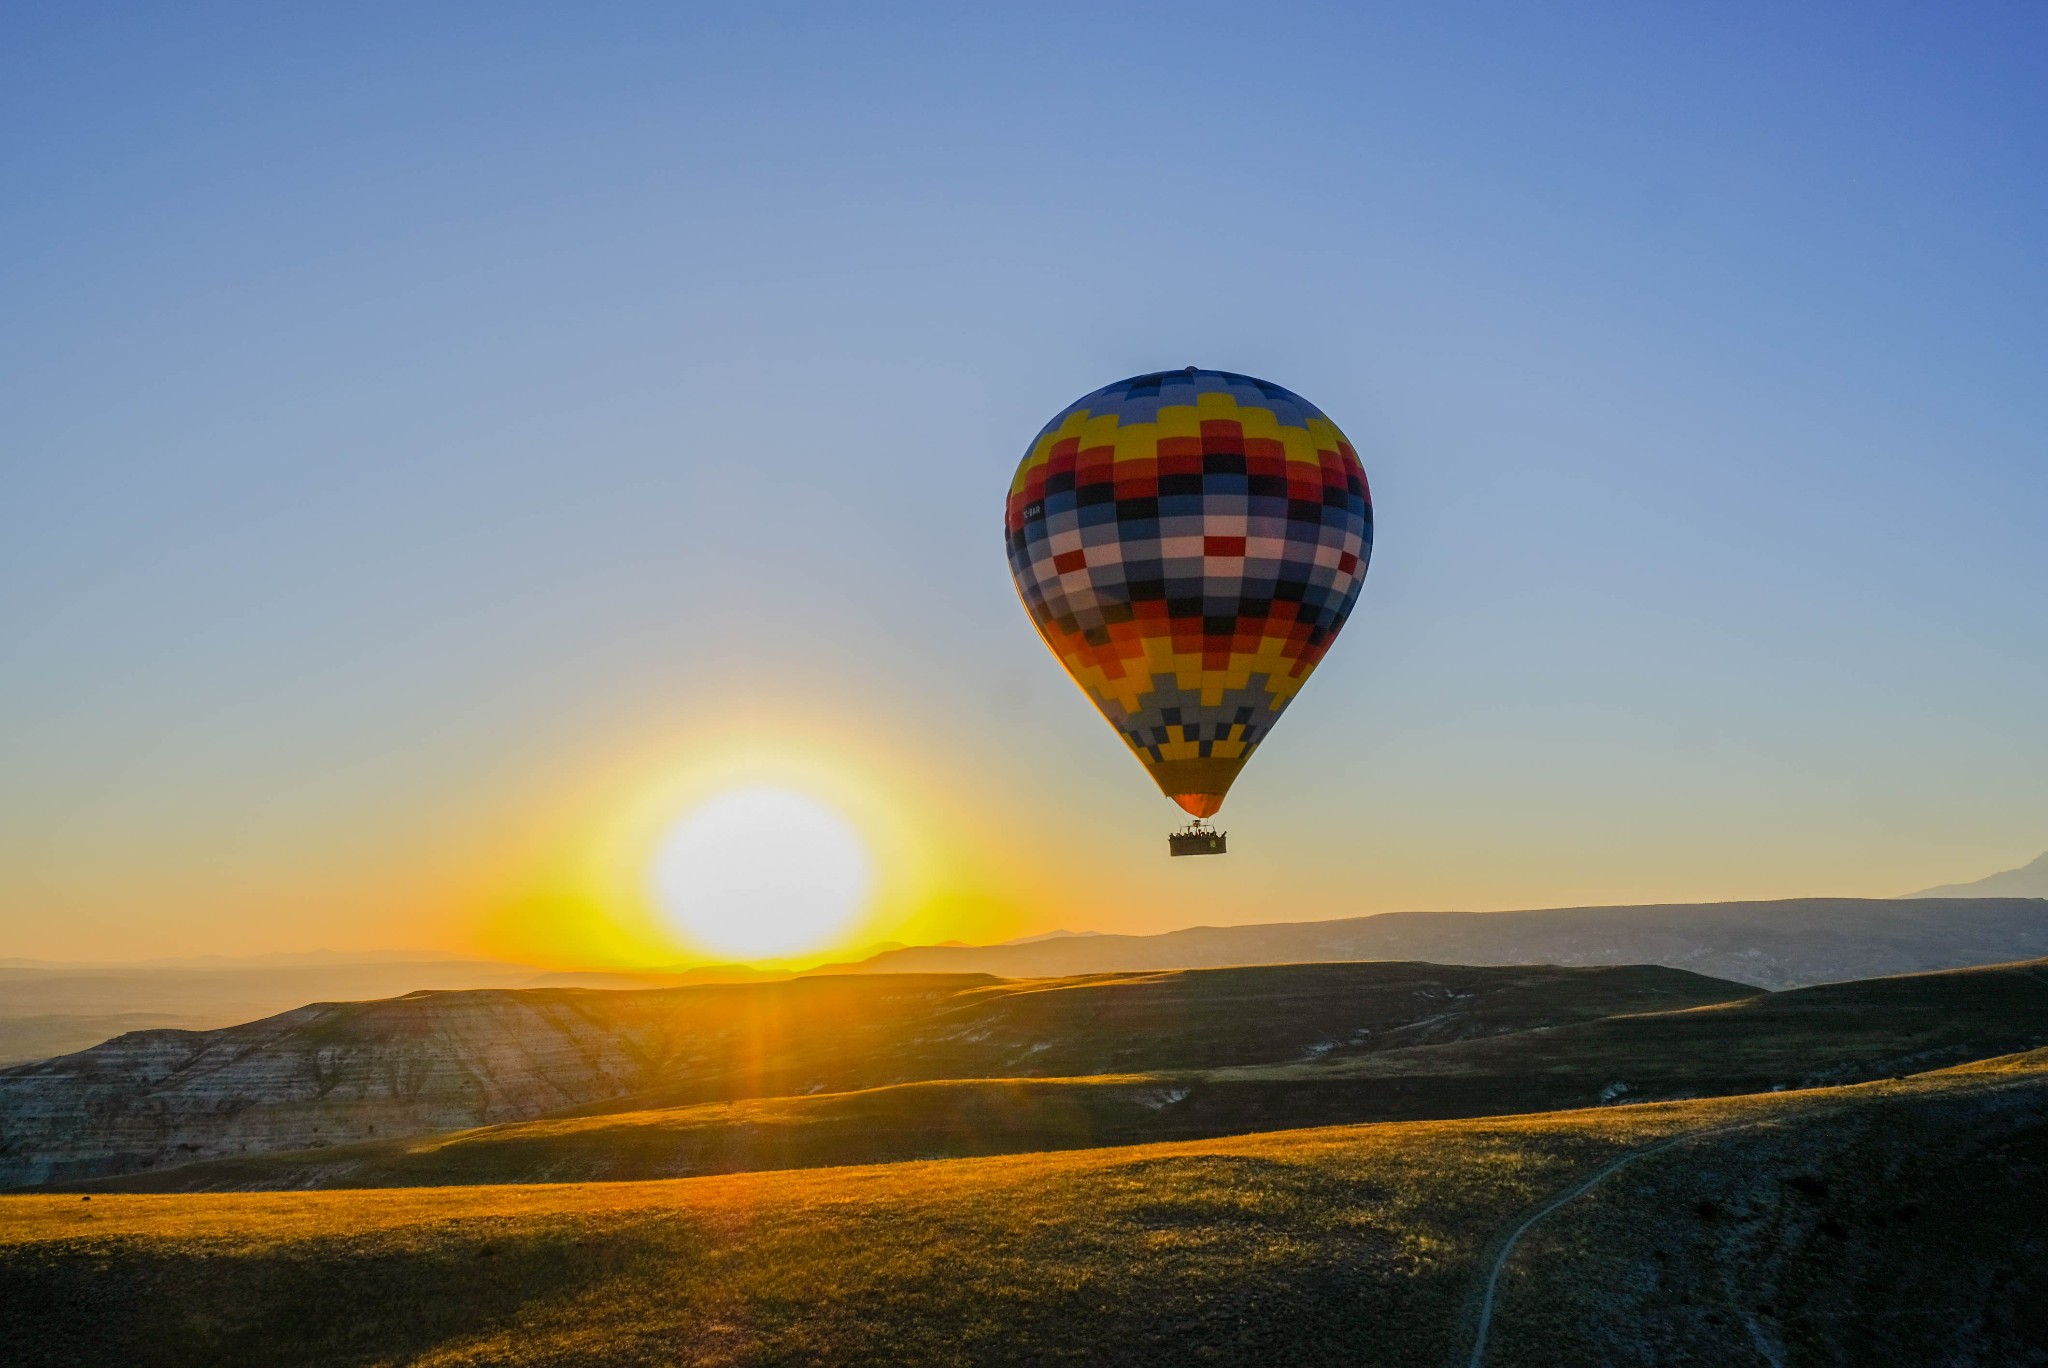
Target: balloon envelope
(1188, 544)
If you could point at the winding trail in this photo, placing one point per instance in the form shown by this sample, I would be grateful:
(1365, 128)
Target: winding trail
(1514, 1237)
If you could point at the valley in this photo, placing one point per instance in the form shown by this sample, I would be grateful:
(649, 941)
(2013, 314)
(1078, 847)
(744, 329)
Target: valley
(1287, 1164)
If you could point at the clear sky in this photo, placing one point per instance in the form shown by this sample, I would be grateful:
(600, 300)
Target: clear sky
(440, 443)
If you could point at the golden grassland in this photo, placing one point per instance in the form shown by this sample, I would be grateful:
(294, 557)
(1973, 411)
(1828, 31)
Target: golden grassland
(1342, 1245)
(1275, 1249)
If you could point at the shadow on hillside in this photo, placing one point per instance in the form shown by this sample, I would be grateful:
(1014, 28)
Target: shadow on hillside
(340, 1302)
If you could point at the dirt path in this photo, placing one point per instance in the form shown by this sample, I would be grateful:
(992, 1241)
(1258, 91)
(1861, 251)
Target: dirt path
(1514, 1236)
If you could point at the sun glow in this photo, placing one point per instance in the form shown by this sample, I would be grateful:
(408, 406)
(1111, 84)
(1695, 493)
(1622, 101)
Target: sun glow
(761, 872)
(592, 889)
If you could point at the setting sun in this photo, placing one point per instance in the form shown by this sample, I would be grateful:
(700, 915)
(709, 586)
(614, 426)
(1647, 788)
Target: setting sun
(760, 872)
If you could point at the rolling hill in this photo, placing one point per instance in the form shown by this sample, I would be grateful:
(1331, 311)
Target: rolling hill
(1887, 1222)
(340, 1073)
(1803, 1038)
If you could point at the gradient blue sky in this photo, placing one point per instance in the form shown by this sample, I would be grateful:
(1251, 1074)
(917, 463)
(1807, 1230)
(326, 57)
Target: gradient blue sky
(427, 430)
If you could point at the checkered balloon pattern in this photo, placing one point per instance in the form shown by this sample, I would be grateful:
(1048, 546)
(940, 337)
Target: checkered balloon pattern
(1189, 544)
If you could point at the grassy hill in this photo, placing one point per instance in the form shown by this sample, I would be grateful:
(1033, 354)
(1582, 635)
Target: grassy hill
(1359, 1245)
(1903, 1229)
(1471, 1064)
(343, 1073)
(1805, 1037)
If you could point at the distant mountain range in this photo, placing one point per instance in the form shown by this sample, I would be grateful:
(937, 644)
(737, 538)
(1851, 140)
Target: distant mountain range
(1782, 944)
(2028, 881)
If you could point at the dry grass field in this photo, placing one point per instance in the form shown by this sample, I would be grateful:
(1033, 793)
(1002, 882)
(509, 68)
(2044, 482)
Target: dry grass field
(1355, 1245)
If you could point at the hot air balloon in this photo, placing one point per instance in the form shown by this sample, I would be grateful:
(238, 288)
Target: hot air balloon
(1188, 543)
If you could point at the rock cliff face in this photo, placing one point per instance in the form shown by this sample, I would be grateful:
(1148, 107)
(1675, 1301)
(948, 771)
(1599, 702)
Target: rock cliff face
(433, 1061)
(319, 1075)
(336, 1073)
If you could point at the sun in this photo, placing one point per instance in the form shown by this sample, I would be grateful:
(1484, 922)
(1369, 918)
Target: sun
(761, 872)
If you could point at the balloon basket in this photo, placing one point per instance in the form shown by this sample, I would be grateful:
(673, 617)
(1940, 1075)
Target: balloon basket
(1196, 839)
